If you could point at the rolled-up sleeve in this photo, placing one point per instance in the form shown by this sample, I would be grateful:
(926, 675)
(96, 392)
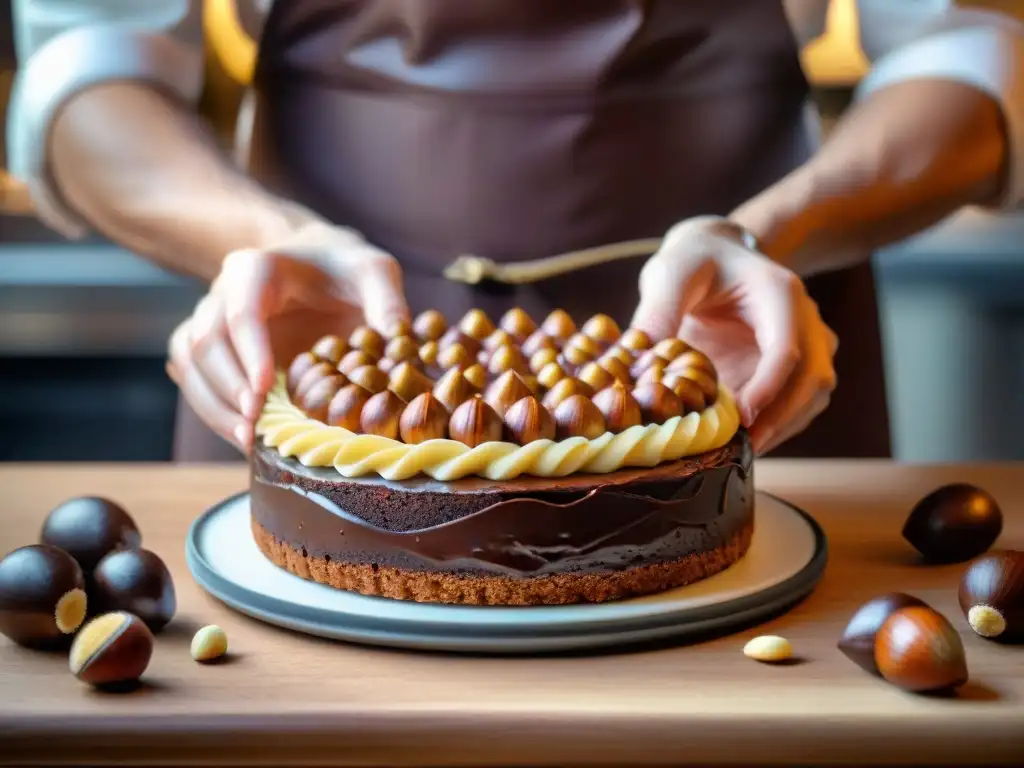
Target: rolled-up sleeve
(910, 40)
(67, 46)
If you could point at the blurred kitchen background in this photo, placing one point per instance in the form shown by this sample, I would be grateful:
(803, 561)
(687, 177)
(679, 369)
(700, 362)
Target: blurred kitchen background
(84, 325)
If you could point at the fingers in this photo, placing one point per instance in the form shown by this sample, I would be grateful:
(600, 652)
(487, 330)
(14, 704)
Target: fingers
(213, 356)
(372, 280)
(670, 288)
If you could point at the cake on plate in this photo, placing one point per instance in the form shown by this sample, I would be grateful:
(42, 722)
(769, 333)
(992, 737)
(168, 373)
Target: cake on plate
(502, 463)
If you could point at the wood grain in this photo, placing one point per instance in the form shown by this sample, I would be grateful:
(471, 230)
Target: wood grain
(283, 698)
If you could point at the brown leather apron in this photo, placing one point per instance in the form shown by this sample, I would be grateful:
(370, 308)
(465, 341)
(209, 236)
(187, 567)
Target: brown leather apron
(518, 129)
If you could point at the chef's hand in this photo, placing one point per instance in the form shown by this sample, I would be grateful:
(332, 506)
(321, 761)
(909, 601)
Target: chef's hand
(751, 316)
(264, 308)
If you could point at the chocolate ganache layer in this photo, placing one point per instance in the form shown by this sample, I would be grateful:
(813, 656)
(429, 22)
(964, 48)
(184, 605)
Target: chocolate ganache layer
(523, 528)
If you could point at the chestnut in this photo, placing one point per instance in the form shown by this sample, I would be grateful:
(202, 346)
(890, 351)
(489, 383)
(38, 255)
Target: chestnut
(136, 581)
(954, 523)
(88, 528)
(858, 640)
(918, 650)
(112, 649)
(42, 596)
(991, 595)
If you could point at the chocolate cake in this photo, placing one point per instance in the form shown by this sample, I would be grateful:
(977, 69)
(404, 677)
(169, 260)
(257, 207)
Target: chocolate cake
(502, 465)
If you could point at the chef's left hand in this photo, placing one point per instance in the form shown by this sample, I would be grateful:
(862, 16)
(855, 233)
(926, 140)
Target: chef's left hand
(751, 316)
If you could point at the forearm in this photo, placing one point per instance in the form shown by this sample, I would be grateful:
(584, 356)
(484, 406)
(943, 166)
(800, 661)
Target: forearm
(900, 161)
(146, 173)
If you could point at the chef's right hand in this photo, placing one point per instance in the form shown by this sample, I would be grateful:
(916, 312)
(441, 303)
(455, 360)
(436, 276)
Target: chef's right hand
(264, 308)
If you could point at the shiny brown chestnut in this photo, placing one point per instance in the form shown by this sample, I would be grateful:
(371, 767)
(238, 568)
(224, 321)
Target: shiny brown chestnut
(381, 414)
(454, 337)
(577, 416)
(858, 640)
(991, 595)
(477, 324)
(424, 418)
(507, 389)
(527, 420)
(317, 399)
(111, 650)
(429, 325)
(88, 528)
(136, 581)
(537, 341)
(918, 650)
(954, 523)
(302, 363)
(357, 358)
(517, 323)
(657, 403)
(330, 349)
(367, 339)
(346, 407)
(559, 325)
(475, 422)
(42, 596)
(620, 410)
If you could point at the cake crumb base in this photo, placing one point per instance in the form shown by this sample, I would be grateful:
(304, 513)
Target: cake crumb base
(459, 589)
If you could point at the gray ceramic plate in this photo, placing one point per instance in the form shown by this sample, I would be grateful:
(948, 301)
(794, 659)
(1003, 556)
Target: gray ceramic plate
(784, 563)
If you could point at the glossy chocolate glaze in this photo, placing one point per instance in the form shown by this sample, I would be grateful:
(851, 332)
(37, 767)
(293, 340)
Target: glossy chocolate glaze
(527, 527)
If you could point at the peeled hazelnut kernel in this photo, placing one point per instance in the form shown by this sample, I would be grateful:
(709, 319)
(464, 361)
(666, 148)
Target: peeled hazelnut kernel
(209, 643)
(330, 348)
(687, 391)
(768, 648)
(858, 640)
(954, 523)
(507, 359)
(602, 329)
(370, 378)
(574, 357)
(564, 389)
(517, 323)
(454, 355)
(453, 389)
(428, 353)
(646, 360)
(499, 338)
(368, 340)
(583, 342)
(476, 375)
(537, 341)
(533, 384)
(657, 403)
(381, 414)
(346, 407)
(474, 423)
(113, 648)
(399, 328)
(407, 382)
(317, 398)
(401, 348)
(620, 410)
(504, 391)
(541, 358)
(577, 416)
(298, 368)
(621, 354)
(429, 325)
(424, 418)
(670, 349)
(636, 340)
(558, 325)
(42, 596)
(476, 324)
(593, 374)
(618, 369)
(918, 650)
(355, 359)
(550, 375)
(311, 377)
(527, 420)
(991, 595)
(454, 337)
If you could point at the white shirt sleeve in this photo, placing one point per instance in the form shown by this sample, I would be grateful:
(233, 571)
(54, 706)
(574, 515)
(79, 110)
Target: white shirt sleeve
(909, 39)
(66, 46)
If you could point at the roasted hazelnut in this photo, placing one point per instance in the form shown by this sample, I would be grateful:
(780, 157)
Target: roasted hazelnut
(687, 391)
(355, 359)
(42, 596)
(918, 650)
(135, 581)
(506, 359)
(428, 354)
(381, 414)
(533, 383)
(558, 325)
(550, 375)
(429, 325)
(621, 354)
(452, 356)
(707, 385)
(991, 595)
(504, 391)
(954, 523)
(657, 403)
(646, 360)
(584, 343)
(89, 528)
(330, 348)
(474, 423)
(399, 328)
(424, 418)
(406, 381)
(476, 375)
(454, 337)
(636, 340)
(593, 374)
(499, 338)
(602, 329)
(318, 397)
(346, 407)
(311, 377)
(858, 640)
(476, 324)
(694, 358)
(401, 348)
(577, 416)
(654, 374)
(527, 420)
(573, 357)
(112, 649)
(209, 643)
(369, 377)
(670, 349)
(298, 368)
(541, 358)
(517, 323)
(619, 408)
(367, 339)
(618, 369)
(537, 341)
(563, 389)
(453, 389)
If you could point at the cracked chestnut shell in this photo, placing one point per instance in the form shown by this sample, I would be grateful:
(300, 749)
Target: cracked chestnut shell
(991, 595)
(954, 523)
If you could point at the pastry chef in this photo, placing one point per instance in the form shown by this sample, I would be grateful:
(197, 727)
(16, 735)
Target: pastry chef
(381, 140)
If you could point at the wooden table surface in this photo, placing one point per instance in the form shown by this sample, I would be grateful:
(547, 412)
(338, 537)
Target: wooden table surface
(283, 698)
